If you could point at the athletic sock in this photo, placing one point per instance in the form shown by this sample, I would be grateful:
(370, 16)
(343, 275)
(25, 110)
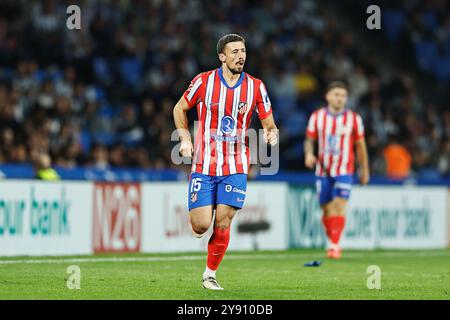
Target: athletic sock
(334, 226)
(209, 273)
(217, 246)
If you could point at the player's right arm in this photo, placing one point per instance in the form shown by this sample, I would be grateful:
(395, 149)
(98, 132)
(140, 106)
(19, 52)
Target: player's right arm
(310, 140)
(187, 101)
(181, 123)
(310, 158)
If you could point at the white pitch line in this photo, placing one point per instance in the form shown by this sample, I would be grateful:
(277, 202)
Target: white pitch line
(143, 259)
(301, 256)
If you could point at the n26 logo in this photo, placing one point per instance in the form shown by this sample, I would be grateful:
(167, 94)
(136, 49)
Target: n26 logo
(117, 217)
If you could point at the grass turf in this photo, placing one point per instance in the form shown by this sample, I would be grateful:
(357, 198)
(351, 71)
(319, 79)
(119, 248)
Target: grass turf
(263, 275)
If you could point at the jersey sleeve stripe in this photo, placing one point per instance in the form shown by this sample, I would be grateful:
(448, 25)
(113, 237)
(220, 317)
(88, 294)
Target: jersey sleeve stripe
(264, 97)
(194, 88)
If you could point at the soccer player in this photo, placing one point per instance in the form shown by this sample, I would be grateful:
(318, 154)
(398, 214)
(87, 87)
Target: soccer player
(337, 131)
(225, 99)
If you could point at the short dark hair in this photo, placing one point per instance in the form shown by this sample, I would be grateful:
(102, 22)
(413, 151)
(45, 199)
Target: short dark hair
(232, 37)
(337, 84)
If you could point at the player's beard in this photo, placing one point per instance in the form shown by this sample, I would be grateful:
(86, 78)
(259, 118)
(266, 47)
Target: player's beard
(236, 70)
(338, 107)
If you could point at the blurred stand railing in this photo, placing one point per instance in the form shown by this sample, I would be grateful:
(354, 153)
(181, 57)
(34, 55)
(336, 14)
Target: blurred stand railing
(13, 171)
(9, 171)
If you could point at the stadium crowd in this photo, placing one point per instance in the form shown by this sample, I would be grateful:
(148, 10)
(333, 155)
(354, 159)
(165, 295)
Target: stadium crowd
(103, 96)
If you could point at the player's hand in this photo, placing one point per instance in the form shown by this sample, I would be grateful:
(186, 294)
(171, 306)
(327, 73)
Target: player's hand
(310, 160)
(271, 136)
(186, 148)
(364, 178)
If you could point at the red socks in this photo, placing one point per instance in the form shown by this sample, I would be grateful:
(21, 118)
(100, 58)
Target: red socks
(217, 247)
(334, 226)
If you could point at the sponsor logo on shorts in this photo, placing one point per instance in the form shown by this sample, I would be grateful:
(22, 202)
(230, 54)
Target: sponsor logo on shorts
(229, 188)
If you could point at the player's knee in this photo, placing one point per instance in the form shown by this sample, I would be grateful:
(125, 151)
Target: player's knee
(327, 209)
(339, 207)
(224, 223)
(200, 229)
(333, 210)
(224, 215)
(339, 210)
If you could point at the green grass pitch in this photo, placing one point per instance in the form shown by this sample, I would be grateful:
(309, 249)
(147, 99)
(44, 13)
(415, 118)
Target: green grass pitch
(244, 275)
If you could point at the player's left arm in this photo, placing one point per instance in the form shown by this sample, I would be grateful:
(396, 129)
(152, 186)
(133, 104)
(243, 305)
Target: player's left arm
(363, 161)
(361, 150)
(270, 130)
(264, 110)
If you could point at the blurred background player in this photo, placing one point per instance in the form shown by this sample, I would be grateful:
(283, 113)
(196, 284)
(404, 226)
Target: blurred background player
(225, 99)
(337, 131)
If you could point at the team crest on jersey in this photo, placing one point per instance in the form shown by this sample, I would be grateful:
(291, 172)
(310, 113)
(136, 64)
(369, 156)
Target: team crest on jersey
(242, 107)
(194, 197)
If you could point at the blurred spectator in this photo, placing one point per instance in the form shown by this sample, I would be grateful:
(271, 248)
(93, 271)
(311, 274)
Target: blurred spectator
(128, 126)
(43, 168)
(398, 160)
(117, 155)
(99, 157)
(443, 158)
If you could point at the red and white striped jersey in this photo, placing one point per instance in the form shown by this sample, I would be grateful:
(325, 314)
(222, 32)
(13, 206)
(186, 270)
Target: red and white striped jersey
(336, 134)
(224, 114)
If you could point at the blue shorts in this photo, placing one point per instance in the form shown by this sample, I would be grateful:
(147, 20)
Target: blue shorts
(205, 190)
(329, 188)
